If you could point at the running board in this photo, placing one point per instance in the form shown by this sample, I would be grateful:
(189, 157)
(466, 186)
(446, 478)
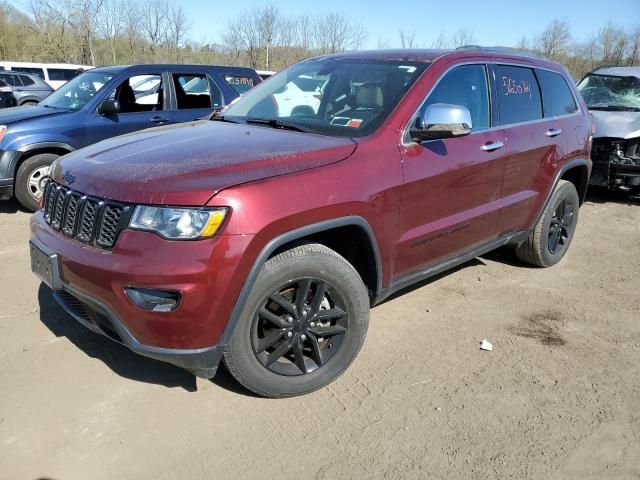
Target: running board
(407, 280)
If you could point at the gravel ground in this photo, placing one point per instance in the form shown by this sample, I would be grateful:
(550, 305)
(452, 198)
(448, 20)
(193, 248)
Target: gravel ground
(557, 398)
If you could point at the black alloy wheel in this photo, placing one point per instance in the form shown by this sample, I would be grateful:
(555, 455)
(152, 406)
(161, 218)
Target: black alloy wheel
(299, 327)
(560, 227)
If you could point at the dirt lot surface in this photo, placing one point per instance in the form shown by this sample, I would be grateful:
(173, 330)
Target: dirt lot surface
(557, 398)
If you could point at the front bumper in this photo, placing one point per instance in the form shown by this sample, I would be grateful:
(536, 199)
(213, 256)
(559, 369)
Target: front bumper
(90, 286)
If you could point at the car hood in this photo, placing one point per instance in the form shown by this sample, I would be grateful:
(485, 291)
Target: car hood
(16, 114)
(185, 164)
(616, 124)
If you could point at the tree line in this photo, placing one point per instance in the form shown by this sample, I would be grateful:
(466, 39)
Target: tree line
(103, 32)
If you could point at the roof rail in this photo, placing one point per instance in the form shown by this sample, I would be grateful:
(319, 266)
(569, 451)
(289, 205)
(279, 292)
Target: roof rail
(526, 53)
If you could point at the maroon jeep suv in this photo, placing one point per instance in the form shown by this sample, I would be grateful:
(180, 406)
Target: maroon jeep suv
(263, 237)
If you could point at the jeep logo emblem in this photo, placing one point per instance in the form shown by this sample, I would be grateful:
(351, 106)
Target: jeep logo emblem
(68, 177)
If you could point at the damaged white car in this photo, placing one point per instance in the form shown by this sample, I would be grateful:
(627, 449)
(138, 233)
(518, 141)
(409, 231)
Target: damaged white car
(613, 97)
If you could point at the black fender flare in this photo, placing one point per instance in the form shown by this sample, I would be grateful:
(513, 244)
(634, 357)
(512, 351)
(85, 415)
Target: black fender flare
(288, 237)
(576, 162)
(15, 160)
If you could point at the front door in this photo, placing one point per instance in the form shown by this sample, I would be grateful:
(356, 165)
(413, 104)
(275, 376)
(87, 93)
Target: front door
(450, 199)
(142, 105)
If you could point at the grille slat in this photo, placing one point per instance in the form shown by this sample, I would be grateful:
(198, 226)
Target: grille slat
(87, 219)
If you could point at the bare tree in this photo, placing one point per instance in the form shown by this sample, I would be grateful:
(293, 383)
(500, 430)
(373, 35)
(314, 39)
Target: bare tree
(461, 38)
(268, 21)
(633, 57)
(336, 33)
(613, 43)
(441, 41)
(407, 39)
(177, 29)
(554, 39)
(109, 25)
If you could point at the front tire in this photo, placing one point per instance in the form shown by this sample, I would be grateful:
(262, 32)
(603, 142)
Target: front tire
(303, 324)
(552, 235)
(30, 179)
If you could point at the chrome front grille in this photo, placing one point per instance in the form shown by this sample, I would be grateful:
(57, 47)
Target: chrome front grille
(88, 219)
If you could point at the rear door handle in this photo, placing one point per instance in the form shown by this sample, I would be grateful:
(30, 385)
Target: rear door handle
(490, 147)
(553, 132)
(159, 120)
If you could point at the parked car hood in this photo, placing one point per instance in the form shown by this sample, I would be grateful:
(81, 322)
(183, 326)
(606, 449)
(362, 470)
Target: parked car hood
(185, 164)
(16, 114)
(616, 124)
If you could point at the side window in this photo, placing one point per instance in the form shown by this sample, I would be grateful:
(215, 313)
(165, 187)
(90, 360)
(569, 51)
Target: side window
(11, 80)
(34, 71)
(141, 93)
(26, 81)
(465, 86)
(518, 95)
(194, 90)
(557, 98)
(239, 83)
(62, 74)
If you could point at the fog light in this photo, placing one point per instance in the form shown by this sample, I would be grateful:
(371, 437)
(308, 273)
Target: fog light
(154, 300)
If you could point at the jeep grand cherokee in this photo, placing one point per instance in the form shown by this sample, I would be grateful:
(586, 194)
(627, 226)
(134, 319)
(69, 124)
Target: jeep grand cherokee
(264, 239)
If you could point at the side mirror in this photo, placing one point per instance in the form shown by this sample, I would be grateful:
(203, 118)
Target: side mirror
(110, 107)
(442, 120)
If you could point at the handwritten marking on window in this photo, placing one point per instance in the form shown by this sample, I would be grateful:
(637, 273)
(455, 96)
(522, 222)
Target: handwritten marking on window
(515, 87)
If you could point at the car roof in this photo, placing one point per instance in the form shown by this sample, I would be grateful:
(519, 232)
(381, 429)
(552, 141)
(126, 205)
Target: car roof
(170, 67)
(431, 55)
(618, 71)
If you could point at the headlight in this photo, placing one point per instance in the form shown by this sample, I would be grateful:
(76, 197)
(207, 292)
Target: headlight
(178, 223)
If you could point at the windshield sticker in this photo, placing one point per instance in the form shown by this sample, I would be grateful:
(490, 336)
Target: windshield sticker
(354, 123)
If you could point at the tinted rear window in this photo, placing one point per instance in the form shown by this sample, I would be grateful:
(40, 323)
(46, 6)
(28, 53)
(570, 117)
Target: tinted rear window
(26, 81)
(557, 98)
(518, 95)
(34, 71)
(62, 74)
(240, 83)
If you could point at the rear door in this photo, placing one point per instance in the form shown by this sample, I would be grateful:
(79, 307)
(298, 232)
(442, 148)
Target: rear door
(194, 96)
(143, 104)
(450, 198)
(534, 145)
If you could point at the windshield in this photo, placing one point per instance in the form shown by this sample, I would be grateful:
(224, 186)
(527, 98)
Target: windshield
(606, 92)
(337, 97)
(76, 93)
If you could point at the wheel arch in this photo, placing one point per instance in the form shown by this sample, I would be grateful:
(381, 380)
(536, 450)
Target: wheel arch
(28, 151)
(576, 171)
(328, 233)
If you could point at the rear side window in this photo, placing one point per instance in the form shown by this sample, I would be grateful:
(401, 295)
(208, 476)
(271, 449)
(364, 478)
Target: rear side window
(518, 95)
(62, 74)
(12, 80)
(34, 71)
(239, 83)
(26, 81)
(194, 90)
(557, 98)
(465, 86)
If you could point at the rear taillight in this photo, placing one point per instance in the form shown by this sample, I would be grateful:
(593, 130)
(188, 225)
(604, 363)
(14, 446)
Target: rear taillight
(3, 130)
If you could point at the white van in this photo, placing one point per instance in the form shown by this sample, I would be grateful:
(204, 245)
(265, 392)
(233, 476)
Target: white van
(55, 74)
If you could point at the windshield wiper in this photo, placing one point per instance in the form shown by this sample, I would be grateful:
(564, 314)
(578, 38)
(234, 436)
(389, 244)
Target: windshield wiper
(614, 108)
(274, 123)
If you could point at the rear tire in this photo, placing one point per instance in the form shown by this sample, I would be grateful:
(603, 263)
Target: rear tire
(28, 103)
(552, 235)
(29, 179)
(310, 334)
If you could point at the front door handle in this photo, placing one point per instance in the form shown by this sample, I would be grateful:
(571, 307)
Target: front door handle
(159, 120)
(553, 132)
(490, 147)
